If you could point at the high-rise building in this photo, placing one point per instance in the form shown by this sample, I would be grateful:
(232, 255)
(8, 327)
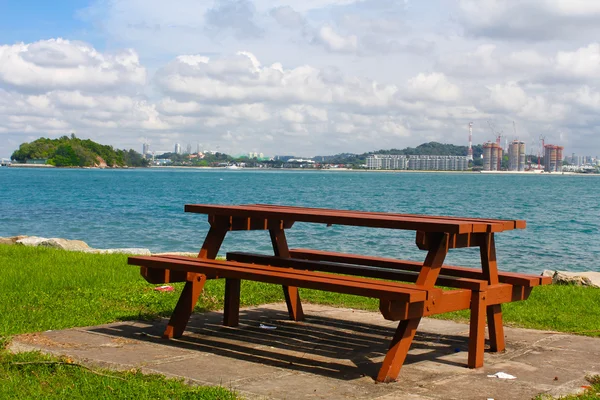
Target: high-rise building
(418, 163)
(146, 149)
(516, 156)
(492, 156)
(177, 148)
(553, 156)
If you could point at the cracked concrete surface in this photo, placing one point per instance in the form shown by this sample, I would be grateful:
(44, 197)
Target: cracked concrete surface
(334, 354)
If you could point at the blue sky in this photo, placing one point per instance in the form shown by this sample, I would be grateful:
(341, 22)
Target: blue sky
(300, 77)
(32, 20)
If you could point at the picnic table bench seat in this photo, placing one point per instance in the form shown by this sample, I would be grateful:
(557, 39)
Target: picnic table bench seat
(398, 301)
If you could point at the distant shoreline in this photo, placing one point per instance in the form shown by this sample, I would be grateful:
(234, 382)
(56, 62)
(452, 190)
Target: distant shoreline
(520, 173)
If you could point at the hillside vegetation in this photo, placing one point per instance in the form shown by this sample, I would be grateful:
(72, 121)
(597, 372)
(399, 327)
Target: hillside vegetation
(431, 148)
(70, 151)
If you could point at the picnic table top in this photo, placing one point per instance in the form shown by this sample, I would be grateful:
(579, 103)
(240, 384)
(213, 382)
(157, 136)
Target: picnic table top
(425, 223)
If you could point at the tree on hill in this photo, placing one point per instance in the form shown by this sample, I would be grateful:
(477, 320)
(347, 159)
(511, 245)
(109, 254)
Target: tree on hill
(74, 152)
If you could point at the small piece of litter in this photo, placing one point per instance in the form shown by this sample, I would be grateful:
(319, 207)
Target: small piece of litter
(502, 375)
(263, 326)
(164, 288)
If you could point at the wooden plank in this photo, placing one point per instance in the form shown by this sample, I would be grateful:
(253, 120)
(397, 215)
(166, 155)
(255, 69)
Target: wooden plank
(507, 224)
(342, 218)
(514, 278)
(287, 265)
(353, 269)
(311, 280)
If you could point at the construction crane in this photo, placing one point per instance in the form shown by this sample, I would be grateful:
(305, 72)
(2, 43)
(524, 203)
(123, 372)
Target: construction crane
(541, 150)
(497, 134)
(470, 150)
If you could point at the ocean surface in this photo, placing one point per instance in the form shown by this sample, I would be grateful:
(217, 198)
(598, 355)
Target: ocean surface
(144, 208)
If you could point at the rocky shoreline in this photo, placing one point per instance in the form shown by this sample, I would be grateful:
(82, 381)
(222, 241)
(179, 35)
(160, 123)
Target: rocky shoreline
(79, 245)
(589, 278)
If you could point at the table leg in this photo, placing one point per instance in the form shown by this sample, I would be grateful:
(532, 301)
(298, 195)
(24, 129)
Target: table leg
(185, 306)
(398, 350)
(435, 259)
(231, 313)
(292, 297)
(477, 330)
(489, 267)
(192, 289)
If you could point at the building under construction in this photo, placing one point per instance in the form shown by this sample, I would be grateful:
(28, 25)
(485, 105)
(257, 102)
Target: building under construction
(553, 156)
(516, 156)
(492, 156)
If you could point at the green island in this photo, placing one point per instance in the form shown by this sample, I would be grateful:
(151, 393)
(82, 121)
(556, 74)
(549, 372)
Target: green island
(70, 151)
(80, 289)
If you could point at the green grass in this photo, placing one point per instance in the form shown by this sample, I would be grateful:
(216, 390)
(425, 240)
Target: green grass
(43, 289)
(34, 375)
(591, 393)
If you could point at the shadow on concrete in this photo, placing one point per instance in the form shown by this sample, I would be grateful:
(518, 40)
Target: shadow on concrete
(320, 345)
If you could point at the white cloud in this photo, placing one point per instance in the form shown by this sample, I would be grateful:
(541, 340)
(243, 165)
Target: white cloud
(62, 64)
(334, 41)
(319, 76)
(530, 20)
(434, 86)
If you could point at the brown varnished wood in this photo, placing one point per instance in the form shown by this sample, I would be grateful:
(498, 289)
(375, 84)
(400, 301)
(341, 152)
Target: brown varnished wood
(185, 307)
(290, 293)
(507, 224)
(477, 330)
(394, 358)
(355, 218)
(434, 260)
(231, 308)
(285, 276)
(489, 266)
(513, 278)
(355, 270)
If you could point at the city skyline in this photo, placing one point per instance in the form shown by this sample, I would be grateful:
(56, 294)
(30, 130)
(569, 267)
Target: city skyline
(313, 77)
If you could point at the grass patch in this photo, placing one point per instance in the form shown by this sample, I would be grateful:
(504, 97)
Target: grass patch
(34, 375)
(591, 393)
(42, 289)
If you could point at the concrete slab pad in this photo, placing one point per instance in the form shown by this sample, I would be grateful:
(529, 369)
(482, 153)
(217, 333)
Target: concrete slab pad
(334, 354)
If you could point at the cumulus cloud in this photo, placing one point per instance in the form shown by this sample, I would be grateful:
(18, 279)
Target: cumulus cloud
(530, 20)
(62, 64)
(434, 86)
(335, 41)
(234, 15)
(311, 77)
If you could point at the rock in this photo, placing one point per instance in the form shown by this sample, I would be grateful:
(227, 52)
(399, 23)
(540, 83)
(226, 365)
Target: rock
(57, 243)
(574, 278)
(65, 244)
(131, 251)
(31, 241)
(11, 240)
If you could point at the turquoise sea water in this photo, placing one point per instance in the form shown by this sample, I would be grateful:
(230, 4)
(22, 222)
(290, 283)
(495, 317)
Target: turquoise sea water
(144, 208)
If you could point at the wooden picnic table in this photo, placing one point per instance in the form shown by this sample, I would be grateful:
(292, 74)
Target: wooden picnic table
(407, 290)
